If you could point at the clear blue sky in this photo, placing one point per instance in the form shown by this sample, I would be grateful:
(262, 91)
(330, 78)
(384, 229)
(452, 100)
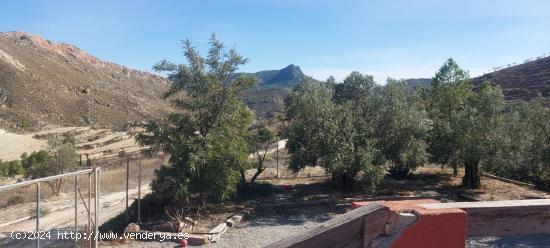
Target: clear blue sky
(400, 39)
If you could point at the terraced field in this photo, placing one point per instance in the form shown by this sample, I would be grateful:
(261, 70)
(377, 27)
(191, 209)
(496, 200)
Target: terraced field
(96, 143)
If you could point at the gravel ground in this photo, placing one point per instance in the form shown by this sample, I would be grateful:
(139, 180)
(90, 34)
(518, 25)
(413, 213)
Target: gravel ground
(523, 241)
(268, 228)
(260, 230)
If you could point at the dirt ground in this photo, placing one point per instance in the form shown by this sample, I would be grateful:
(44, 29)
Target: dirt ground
(438, 183)
(306, 198)
(311, 201)
(13, 145)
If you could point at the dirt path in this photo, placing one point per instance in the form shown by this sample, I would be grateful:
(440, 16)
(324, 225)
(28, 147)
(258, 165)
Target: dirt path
(61, 213)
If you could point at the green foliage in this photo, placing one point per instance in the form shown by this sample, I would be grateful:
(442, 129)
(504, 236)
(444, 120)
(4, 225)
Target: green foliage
(34, 159)
(401, 130)
(43, 212)
(481, 129)
(60, 157)
(259, 141)
(207, 137)
(357, 126)
(11, 168)
(450, 89)
(354, 87)
(37, 164)
(467, 125)
(328, 130)
(524, 150)
(372, 177)
(449, 73)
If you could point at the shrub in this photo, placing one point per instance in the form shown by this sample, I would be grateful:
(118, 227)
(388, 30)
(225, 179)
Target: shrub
(43, 212)
(61, 157)
(372, 177)
(15, 200)
(11, 168)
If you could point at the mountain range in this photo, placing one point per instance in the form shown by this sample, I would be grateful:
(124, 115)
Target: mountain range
(45, 83)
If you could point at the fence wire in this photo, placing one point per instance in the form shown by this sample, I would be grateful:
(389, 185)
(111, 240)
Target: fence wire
(62, 223)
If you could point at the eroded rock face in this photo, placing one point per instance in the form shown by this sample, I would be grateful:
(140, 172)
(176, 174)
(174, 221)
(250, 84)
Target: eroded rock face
(46, 83)
(4, 97)
(71, 52)
(4, 56)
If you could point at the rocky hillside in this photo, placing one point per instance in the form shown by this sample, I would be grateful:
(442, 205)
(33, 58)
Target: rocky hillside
(273, 87)
(522, 82)
(287, 77)
(44, 83)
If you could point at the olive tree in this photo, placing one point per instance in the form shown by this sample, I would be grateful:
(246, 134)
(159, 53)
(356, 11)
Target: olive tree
(467, 122)
(324, 130)
(480, 128)
(260, 139)
(451, 87)
(401, 129)
(524, 151)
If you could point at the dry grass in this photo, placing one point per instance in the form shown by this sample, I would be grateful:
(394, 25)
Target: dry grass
(113, 179)
(435, 182)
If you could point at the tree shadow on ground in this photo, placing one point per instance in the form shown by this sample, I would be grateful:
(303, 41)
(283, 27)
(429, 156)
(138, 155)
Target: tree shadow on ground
(435, 183)
(290, 215)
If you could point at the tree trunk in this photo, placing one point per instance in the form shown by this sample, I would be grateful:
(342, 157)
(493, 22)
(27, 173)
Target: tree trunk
(348, 182)
(455, 169)
(243, 187)
(343, 181)
(336, 181)
(471, 174)
(258, 172)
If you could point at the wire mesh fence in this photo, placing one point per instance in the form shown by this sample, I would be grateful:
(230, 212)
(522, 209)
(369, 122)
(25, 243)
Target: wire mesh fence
(61, 211)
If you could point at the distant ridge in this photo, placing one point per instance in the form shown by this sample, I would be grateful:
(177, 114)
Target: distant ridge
(522, 82)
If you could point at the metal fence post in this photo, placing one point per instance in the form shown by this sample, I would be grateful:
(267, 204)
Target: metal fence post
(127, 185)
(96, 205)
(37, 214)
(89, 209)
(75, 204)
(77, 192)
(139, 193)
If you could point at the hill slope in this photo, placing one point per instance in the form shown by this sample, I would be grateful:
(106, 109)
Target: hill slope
(43, 83)
(274, 86)
(522, 82)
